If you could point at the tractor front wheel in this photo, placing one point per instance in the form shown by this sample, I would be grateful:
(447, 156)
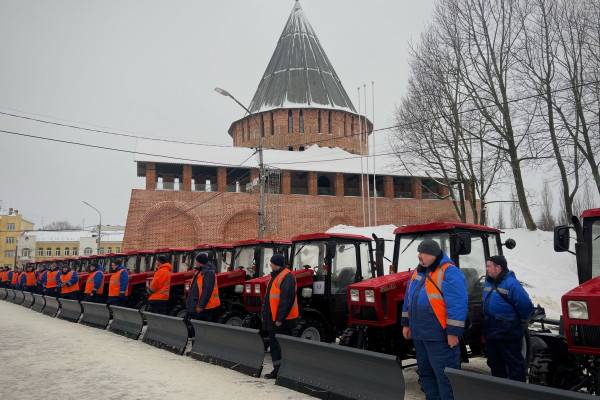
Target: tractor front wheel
(310, 329)
(232, 318)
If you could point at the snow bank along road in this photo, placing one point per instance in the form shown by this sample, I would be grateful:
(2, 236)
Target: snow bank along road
(51, 359)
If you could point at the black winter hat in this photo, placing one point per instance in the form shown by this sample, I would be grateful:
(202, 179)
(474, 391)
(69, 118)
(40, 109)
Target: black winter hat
(429, 246)
(202, 258)
(278, 260)
(500, 260)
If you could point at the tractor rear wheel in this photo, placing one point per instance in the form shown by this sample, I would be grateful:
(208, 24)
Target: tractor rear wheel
(349, 338)
(310, 329)
(232, 318)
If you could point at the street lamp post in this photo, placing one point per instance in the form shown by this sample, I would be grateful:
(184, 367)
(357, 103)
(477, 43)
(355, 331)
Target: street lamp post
(261, 167)
(99, 224)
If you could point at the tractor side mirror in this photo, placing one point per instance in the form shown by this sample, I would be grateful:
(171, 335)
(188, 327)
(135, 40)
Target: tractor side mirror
(510, 244)
(561, 238)
(463, 243)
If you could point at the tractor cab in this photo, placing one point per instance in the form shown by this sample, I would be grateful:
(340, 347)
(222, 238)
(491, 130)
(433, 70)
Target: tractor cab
(375, 305)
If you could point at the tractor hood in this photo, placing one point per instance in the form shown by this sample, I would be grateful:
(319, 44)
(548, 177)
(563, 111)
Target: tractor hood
(384, 283)
(581, 320)
(589, 288)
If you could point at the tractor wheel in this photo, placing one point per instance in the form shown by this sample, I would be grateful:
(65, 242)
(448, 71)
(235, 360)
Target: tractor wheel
(310, 329)
(252, 321)
(232, 318)
(179, 311)
(545, 370)
(349, 338)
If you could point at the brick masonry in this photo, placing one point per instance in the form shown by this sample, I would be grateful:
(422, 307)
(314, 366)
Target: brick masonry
(181, 218)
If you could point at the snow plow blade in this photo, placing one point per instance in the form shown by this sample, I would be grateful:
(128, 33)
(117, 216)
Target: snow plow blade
(126, 321)
(39, 303)
(166, 332)
(52, 306)
(331, 371)
(240, 349)
(469, 385)
(19, 297)
(3, 293)
(10, 295)
(28, 301)
(95, 314)
(70, 310)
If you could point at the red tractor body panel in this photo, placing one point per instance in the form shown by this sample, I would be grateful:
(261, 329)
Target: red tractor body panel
(443, 226)
(253, 300)
(591, 213)
(583, 336)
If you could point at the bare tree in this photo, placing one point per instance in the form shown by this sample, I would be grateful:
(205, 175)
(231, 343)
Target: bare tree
(61, 226)
(516, 219)
(500, 223)
(546, 220)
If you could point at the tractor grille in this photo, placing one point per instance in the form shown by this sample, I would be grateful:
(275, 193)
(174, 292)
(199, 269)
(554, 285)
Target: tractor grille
(364, 313)
(585, 335)
(253, 301)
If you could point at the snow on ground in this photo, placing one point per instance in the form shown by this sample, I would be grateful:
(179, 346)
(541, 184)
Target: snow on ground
(547, 275)
(48, 358)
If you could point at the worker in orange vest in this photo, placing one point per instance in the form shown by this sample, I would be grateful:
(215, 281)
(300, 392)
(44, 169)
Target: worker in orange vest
(68, 283)
(4, 277)
(117, 286)
(280, 308)
(94, 286)
(158, 300)
(41, 276)
(203, 300)
(28, 279)
(14, 277)
(49, 282)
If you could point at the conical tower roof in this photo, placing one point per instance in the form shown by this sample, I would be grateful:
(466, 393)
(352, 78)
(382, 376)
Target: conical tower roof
(299, 74)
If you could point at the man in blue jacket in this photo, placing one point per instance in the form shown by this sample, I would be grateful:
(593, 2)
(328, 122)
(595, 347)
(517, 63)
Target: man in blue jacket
(433, 316)
(506, 310)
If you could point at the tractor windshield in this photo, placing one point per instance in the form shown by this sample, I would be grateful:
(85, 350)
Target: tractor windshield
(311, 255)
(266, 254)
(186, 262)
(244, 259)
(225, 262)
(408, 244)
(596, 248)
(130, 263)
(344, 267)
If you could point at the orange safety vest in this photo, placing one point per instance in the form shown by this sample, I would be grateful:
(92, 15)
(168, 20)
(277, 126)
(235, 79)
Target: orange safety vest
(275, 296)
(30, 279)
(89, 284)
(68, 289)
(51, 279)
(433, 294)
(114, 284)
(15, 278)
(161, 283)
(4, 276)
(214, 301)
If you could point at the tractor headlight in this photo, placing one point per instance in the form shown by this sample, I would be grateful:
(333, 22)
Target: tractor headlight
(257, 288)
(187, 287)
(578, 310)
(239, 289)
(354, 296)
(248, 289)
(370, 296)
(307, 292)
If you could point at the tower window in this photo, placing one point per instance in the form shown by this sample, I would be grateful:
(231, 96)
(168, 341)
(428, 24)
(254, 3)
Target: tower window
(272, 124)
(301, 148)
(290, 121)
(345, 123)
(301, 121)
(262, 125)
(319, 122)
(329, 128)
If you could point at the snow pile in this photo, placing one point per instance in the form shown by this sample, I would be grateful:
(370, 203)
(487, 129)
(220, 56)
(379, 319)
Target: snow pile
(546, 275)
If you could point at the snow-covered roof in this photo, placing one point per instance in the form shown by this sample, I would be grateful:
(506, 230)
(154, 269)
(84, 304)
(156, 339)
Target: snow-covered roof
(300, 73)
(60, 236)
(314, 158)
(112, 236)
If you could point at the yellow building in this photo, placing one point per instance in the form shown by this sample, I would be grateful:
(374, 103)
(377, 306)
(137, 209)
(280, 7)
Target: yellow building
(12, 224)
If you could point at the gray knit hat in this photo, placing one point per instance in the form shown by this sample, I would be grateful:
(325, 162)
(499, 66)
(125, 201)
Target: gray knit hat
(429, 246)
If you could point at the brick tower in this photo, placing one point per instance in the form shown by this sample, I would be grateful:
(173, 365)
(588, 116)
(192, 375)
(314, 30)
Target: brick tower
(300, 99)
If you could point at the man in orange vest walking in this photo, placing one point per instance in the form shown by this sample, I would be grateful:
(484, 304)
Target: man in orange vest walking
(94, 286)
(203, 300)
(50, 282)
(433, 316)
(159, 288)
(29, 280)
(280, 308)
(117, 286)
(68, 282)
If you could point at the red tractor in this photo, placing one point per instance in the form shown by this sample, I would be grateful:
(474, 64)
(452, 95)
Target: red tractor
(571, 359)
(375, 305)
(324, 265)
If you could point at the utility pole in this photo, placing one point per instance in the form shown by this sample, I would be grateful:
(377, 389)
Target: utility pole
(99, 225)
(261, 166)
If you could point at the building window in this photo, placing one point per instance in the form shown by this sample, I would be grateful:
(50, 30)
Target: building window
(325, 184)
(26, 252)
(117, 249)
(272, 124)
(319, 122)
(237, 179)
(9, 253)
(299, 182)
(345, 123)
(329, 127)
(10, 227)
(10, 240)
(402, 187)
(48, 252)
(101, 250)
(351, 185)
(108, 250)
(40, 252)
(262, 125)
(67, 251)
(87, 251)
(290, 148)
(75, 251)
(301, 148)
(57, 251)
(379, 184)
(430, 189)
(301, 121)
(290, 122)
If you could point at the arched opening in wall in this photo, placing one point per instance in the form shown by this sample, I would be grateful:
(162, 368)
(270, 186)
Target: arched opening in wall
(325, 184)
(337, 220)
(298, 182)
(168, 226)
(301, 121)
(290, 121)
(351, 185)
(241, 226)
